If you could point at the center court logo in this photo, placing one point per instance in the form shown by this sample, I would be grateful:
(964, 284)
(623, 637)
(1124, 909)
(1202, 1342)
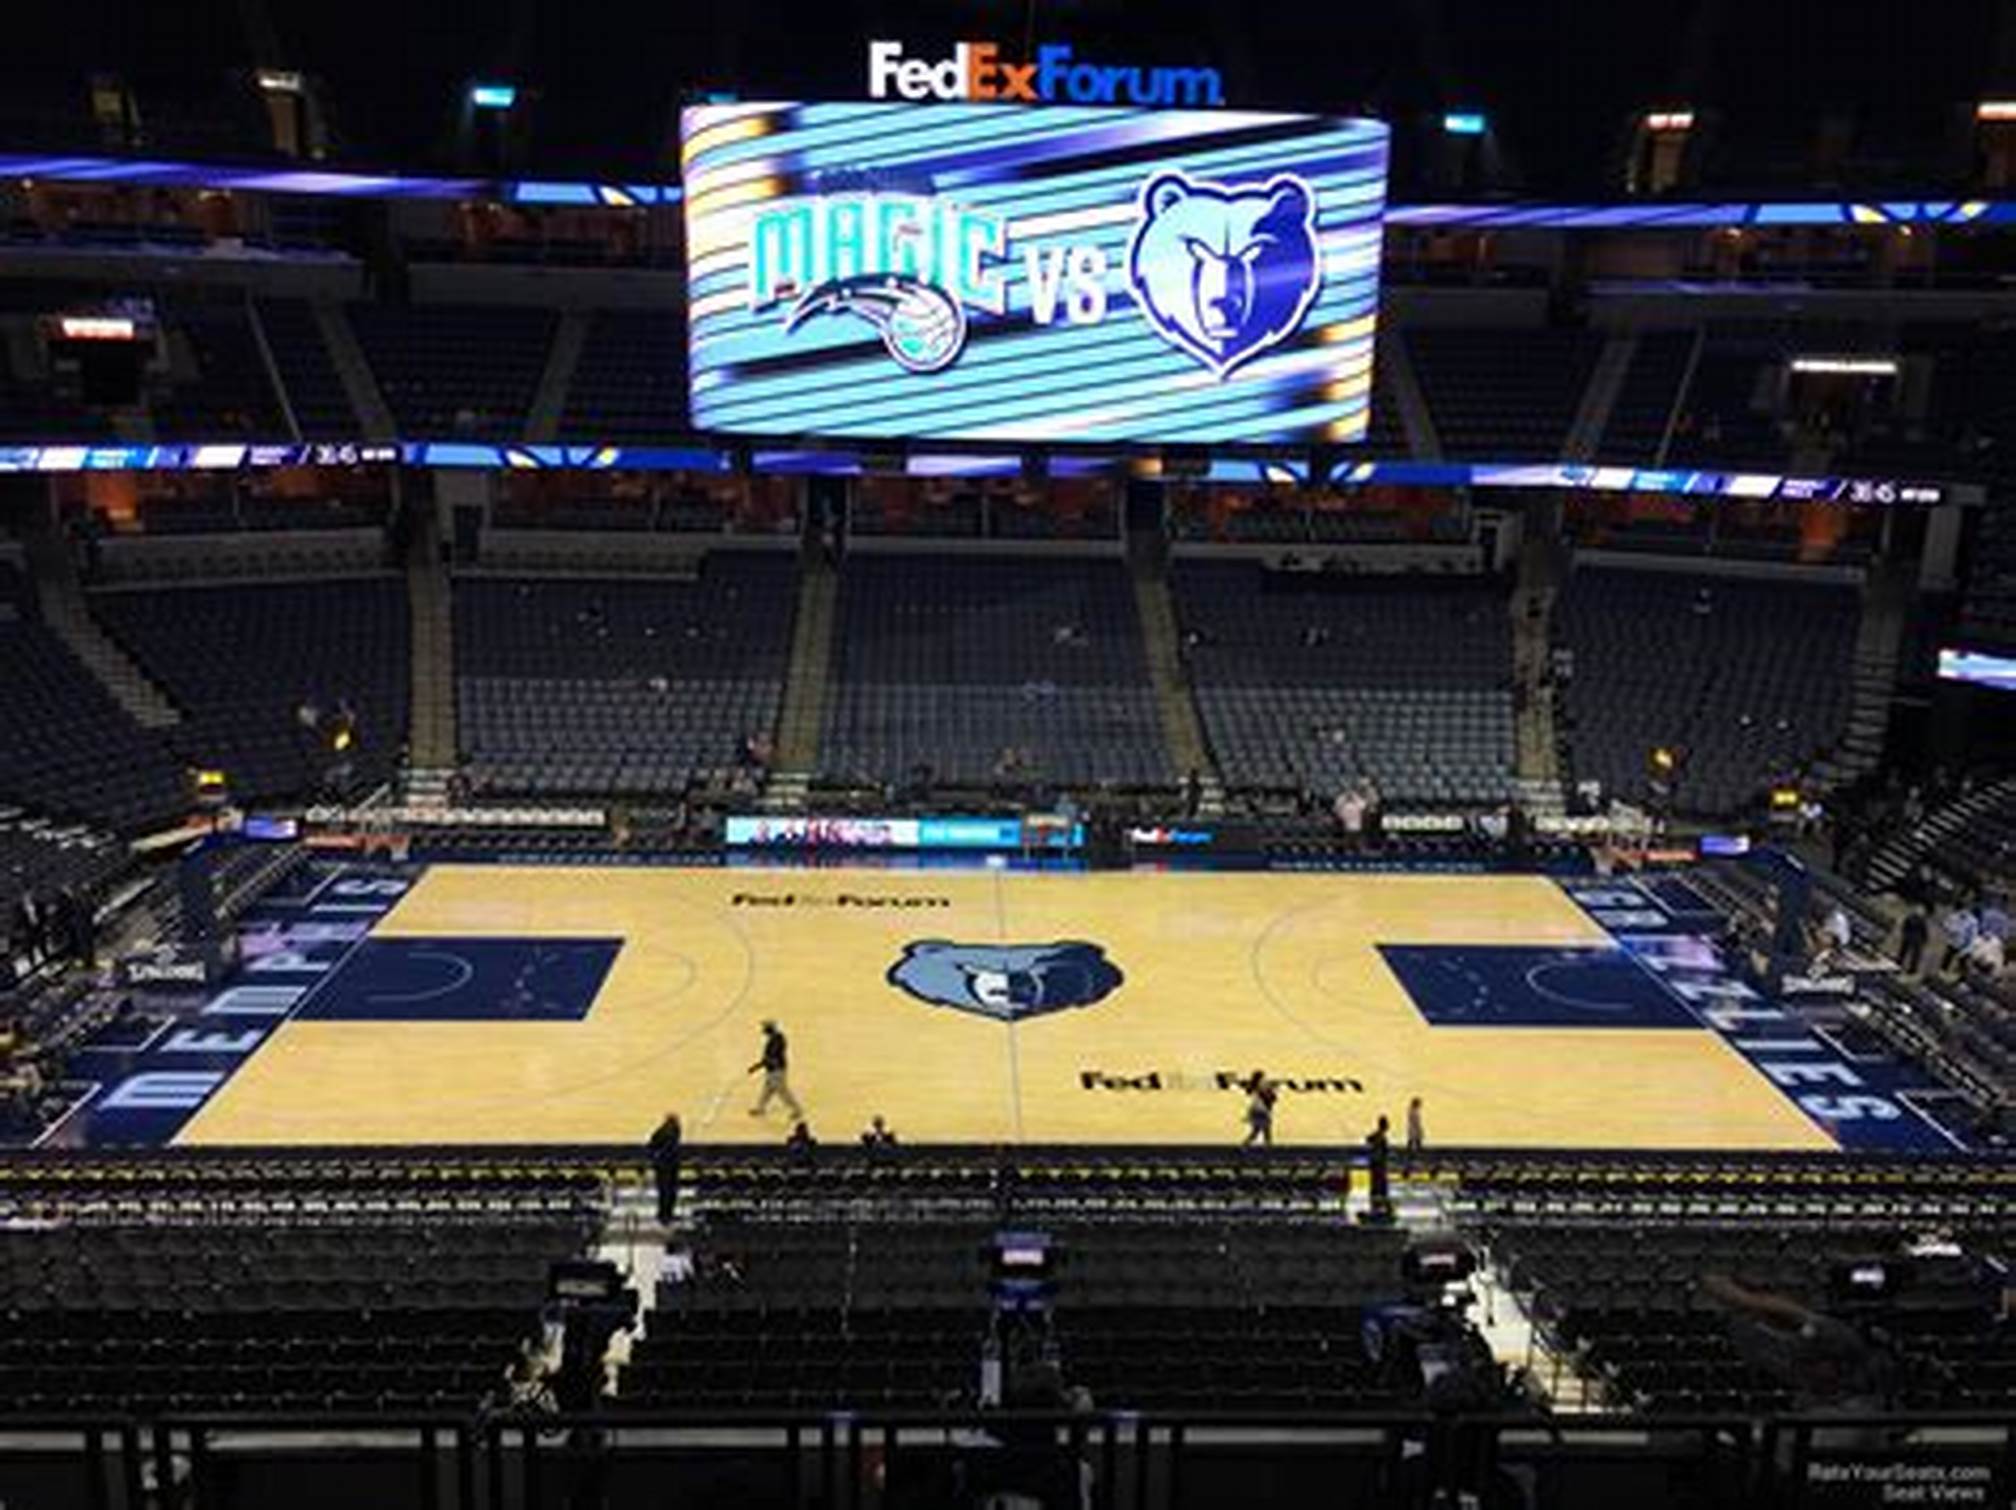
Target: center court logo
(1007, 982)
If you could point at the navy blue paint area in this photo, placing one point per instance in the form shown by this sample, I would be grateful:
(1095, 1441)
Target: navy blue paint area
(1865, 1100)
(142, 1094)
(298, 888)
(1520, 986)
(465, 980)
(1682, 902)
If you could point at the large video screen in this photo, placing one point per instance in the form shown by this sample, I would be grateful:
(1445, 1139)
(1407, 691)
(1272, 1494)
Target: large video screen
(1031, 274)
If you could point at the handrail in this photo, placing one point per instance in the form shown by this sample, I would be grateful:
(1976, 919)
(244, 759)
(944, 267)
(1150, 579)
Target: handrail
(1132, 1459)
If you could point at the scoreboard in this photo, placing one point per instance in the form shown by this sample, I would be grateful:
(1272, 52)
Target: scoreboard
(1031, 274)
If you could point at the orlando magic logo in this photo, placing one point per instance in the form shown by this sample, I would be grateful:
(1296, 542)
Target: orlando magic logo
(909, 265)
(1006, 982)
(922, 327)
(1225, 273)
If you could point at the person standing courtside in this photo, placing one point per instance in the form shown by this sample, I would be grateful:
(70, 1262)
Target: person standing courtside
(1260, 1096)
(1958, 930)
(1379, 1166)
(775, 1064)
(1911, 941)
(664, 1148)
(29, 927)
(1415, 1134)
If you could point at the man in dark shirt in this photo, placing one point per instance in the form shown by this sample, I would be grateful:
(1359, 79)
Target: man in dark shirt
(29, 927)
(879, 1135)
(1378, 1164)
(1917, 929)
(800, 1143)
(775, 1065)
(664, 1148)
(1260, 1097)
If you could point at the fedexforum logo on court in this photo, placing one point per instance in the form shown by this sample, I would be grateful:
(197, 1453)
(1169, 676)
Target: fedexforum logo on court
(865, 901)
(1217, 1080)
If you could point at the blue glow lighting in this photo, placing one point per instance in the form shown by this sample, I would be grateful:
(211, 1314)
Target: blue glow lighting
(1877, 492)
(493, 96)
(1464, 123)
(1645, 215)
(1977, 667)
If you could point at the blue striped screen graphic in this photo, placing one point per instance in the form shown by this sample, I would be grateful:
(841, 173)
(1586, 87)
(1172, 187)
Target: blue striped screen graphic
(1038, 275)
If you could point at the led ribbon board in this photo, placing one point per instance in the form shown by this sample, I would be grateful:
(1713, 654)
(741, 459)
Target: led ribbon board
(1978, 667)
(1031, 274)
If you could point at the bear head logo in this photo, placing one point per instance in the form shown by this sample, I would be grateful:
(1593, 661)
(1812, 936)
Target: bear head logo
(1006, 982)
(1224, 273)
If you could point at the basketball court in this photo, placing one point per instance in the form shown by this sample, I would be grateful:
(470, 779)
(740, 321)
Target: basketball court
(500, 1004)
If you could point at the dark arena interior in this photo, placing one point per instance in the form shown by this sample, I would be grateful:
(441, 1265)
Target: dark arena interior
(1062, 754)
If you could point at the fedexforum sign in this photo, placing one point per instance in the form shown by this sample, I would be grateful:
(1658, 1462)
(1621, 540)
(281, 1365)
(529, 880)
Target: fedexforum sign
(977, 71)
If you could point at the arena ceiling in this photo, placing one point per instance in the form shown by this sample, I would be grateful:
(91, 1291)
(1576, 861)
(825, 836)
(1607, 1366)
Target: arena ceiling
(1874, 91)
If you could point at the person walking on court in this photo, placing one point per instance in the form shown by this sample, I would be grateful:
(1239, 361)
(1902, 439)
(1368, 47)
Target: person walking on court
(1260, 1097)
(1911, 940)
(664, 1149)
(775, 1064)
(1414, 1134)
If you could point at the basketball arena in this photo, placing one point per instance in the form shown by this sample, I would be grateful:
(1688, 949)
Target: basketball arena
(849, 758)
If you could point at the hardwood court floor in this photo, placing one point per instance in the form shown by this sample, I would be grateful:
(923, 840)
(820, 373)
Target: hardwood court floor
(1221, 974)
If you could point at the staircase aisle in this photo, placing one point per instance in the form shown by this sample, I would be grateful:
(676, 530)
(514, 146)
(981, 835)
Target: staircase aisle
(804, 708)
(430, 733)
(1599, 399)
(549, 403)
(1889, 866)
(65, 613)
(1879, 641)
(1536, 740)
(1182, 732)
(1424, 443)
(359, 385)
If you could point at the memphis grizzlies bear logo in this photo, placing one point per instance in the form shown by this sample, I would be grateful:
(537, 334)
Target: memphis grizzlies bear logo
(1225, 273)
(1008, 982)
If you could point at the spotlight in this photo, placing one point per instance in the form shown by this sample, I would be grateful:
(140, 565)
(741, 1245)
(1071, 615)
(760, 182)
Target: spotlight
(1464, 123)
(493, 96)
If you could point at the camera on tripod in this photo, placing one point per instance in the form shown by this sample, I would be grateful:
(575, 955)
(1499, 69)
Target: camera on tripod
(1424, 1347)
